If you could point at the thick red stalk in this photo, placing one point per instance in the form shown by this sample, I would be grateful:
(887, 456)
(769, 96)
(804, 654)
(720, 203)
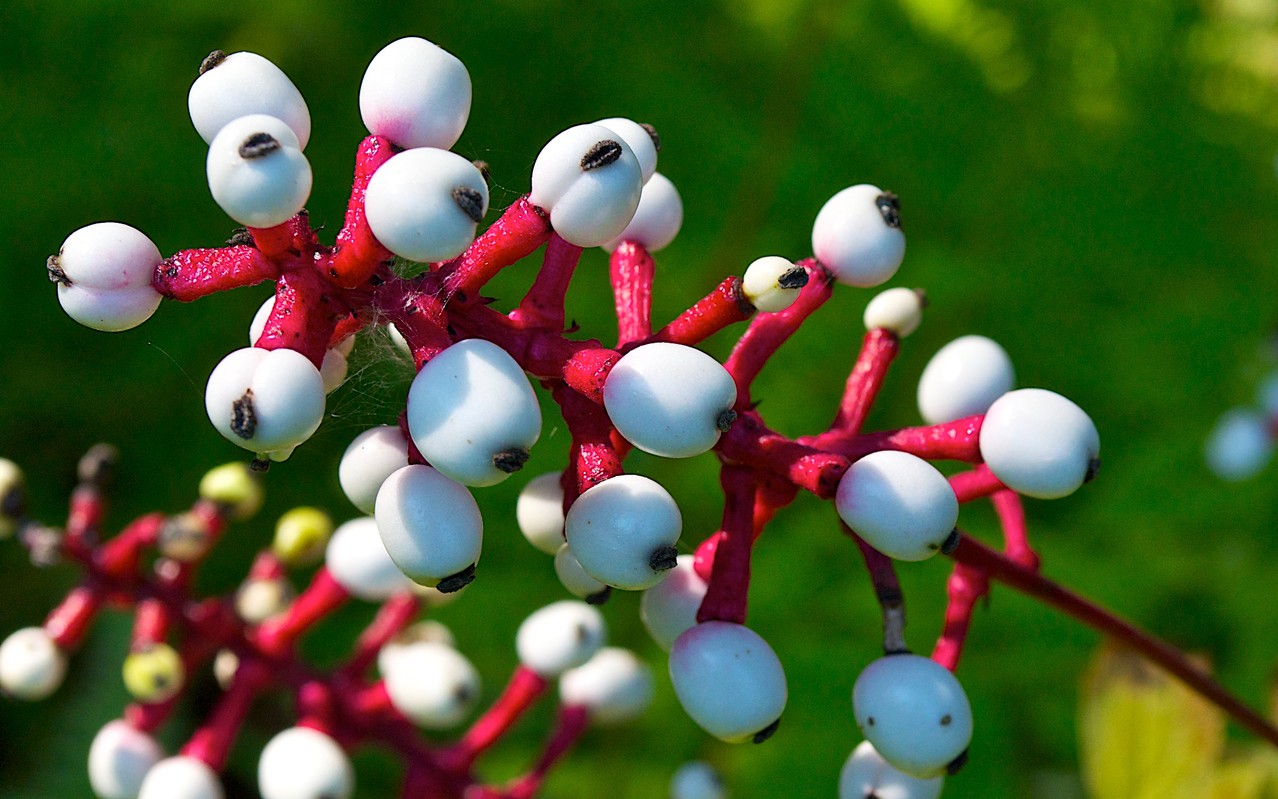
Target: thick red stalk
(150, 624)
(631, 268)
(392, 617)
(592, 455)
(729, 585)
(976, 483)
(523, 689)
(522, 228)
(191, 274)
(69, 621)
(750, 442)
(213, 740)
(724, 306)
(276, 243)
(878, 350)
(358, 253)
(323, 596)
(543, 305)
(1011, 517)
(1004, 570)
(305, 313)
(965, 586)
(958, 440)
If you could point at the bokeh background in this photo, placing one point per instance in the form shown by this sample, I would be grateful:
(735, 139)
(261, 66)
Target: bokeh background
(1089, 183)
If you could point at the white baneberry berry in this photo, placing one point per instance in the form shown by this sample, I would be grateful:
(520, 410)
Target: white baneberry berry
(104, 273)
(334, 366)
(119, 758)
(696, 779)
(225, 665)
(614, 686)
(623, 531)
(13, 493)
(181, 777)
(266, 401)
(575, 579)
(670, 399)
(642, 140)
(866, 775)
(589, 181)
(473, 414)
(373, 456)
(358, 561)
(1039, 443)
(729, 681)
(539, 512)
(963, 379)
(915, 714)
(1240, 444)
(898, 503)
(560, 636)
(241, 84)
(773, 283)
(428, 631)
(257, 172)
(304, 763)
(425, 204)
(31, 664)
(431, 527)
(432, 684)
(899, 310)
(857, 236)
(416, 94)
(657, 219)
(669, 608)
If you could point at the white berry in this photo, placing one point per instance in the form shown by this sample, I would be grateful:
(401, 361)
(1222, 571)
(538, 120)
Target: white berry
(423, 631)
(430, 524)
(728, 680)
(669, 608)
(559, 637)
(857, 236)
(1240, 444)
(773, 283)
(1039, 444)
(539, 512)
(670, 399)
(304, 763)
(181, 777)
(31, 664)
(866, 775)
(963, 379)
(373, 456)
(623, 531)
(657, 219)
(425, 204)
(614, 686)
(119, 758)
(257, 172)
(241, 84)
(589, 181)
(357, 559)
(899, 310)
(265, 401)
(432, 684)
(104, 273)
(416, 94)
(574, 578)
(640, 139)
(898, 503)
(473, 414)
(696, 779)
(914, 713)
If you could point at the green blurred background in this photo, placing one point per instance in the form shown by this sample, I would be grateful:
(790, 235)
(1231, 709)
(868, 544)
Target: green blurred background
(1089, 183)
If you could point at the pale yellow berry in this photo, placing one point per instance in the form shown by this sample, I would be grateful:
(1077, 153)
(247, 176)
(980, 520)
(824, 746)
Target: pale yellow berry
(154, 673)
(235, 487)
(301, 536)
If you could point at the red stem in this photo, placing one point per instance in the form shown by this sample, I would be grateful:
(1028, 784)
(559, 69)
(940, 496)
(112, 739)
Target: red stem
(321, 597)
(543, 305)
(392, 617)
(751, 443)
(358, 252)
(69, 621)
(192, 274)
(974, 484)
(878, 350)
(1003, 569)
(631, 268)
(523, 689)
(958, 440)
(1011, 516)
(213, 740)
(724, 306)
(305, 313)
(966, 585)
(729, 585)
(569, 727)
(521, 229)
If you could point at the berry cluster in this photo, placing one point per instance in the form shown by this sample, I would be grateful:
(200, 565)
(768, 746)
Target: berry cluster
(472, 416)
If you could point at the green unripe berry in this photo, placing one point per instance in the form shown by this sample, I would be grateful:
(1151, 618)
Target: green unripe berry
(154, 673)
(234, 487)
(301, 535)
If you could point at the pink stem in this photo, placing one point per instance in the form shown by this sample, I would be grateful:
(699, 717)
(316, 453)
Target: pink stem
(975, 484)
(1011, 516)
(321, 597)
(192, 274)
(632, 268)
(878, 349)
(119, 557)
(767, 332)
(724, 306)
(394, 615)
(966, 585)
(84, 517)
(521, 229)
(958, 440)
(543, 305)
(523, 689)
(592, 454)
(212, 742)
(358, 252)
(751, 443)
(727, 593)
(1003, 569)
(303, 317)
(150, 624)
(569, 727)
(69, 621)
(276, 243)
